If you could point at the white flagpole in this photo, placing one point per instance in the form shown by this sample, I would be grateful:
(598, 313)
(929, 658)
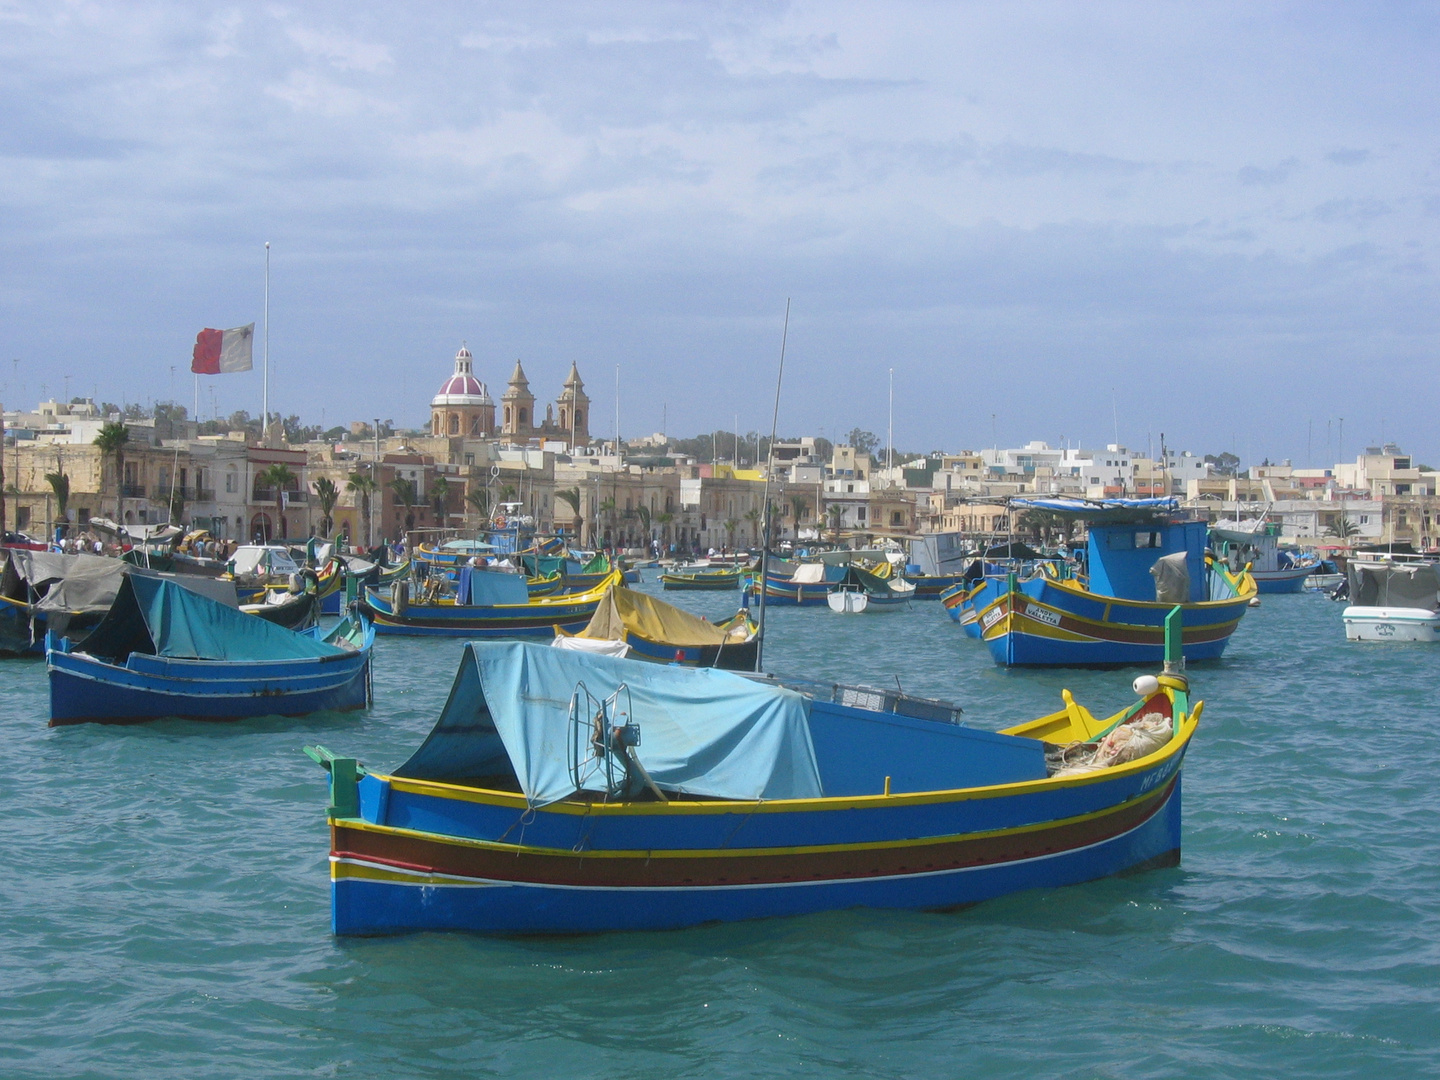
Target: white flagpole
(265, 378)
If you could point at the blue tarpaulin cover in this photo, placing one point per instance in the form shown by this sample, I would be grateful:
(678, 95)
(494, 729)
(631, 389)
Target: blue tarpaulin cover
(184, 625)
(486, 587)
(704, 732)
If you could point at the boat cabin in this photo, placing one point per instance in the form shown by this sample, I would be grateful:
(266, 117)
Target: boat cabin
(1121, 556)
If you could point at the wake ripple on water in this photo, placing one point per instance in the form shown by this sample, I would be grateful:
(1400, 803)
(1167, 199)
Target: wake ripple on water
(167, 910)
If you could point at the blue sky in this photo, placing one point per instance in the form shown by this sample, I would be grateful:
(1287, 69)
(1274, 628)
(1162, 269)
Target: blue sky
(1217, 220)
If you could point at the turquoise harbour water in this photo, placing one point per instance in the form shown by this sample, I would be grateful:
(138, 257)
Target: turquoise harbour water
(166, 901)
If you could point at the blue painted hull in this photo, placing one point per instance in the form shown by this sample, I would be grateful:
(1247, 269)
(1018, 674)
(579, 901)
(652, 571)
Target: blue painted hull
(369, 907)
(1044, 624)
(86, 690)
(1271, 582)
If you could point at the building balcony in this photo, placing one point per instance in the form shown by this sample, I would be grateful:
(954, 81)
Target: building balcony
(132, 491)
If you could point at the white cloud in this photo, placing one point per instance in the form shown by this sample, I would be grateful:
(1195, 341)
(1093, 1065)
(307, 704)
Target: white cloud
(1068, 195)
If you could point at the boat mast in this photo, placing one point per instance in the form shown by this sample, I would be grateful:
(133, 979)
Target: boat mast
(265, 377)
(770, 468)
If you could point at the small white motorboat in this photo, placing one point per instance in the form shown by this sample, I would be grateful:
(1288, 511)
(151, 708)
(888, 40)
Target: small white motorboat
(848, 600)
(1393, 601)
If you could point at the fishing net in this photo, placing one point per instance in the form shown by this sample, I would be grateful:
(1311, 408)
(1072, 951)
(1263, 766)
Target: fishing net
(1129, 741)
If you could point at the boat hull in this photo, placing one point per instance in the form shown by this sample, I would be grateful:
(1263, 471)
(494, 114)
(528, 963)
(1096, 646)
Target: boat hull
(536, 620)
(1271, 582)
(388, 880)
(86, 690)
(1042, 624)
(1391, 624)
(919, 852)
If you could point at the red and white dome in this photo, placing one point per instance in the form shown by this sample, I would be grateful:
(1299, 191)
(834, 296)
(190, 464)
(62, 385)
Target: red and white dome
(462, 388)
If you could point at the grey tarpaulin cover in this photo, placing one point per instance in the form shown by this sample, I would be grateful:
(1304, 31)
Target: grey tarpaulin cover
(1383, 585)
(705, 732)
(1172, 579)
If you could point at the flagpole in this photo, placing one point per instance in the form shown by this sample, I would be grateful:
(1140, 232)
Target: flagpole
(265, 378)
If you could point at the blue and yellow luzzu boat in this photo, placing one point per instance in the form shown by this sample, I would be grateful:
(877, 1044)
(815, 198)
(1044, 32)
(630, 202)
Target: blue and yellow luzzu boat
(1142, 561)
(567, 793)
(518, 617)
(165, 651)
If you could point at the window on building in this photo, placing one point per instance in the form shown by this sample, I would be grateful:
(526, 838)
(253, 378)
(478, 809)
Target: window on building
(860, 513)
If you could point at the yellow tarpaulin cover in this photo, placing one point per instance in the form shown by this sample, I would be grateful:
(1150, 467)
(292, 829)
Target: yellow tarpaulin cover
(654, 620)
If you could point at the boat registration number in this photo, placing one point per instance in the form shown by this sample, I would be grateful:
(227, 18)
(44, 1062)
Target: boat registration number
(1045, 615)
(992, 616)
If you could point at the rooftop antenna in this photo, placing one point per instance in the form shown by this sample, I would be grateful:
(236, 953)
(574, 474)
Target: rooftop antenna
(769, 468)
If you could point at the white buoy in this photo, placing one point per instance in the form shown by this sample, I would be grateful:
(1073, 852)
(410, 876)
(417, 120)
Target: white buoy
(1146, 685)
(1254, 601)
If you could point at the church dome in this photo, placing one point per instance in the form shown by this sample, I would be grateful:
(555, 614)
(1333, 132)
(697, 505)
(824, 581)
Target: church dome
(462, 388)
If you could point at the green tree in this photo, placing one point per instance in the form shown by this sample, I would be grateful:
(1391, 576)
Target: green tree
(834, 513)
(405, 494)
(363, 486)
(276, 478)
(327, 495)
(479, 498)
(753, 516)
(798, 507)
(439, 494)
(665, 519)
(730, 527)
(643, 512)
(1344, 528)
(60, 485)
(864, 442)
(571, 498)
(112, 440)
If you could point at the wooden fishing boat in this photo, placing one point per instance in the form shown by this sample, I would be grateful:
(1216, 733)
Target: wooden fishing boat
(529, 617)
(566, 793)
(881, 594)
(1142, 560)
(957, 602)
(800, 584)
(650, 629)
(69, 594)
(1255, 546)
(702, 580)
(165, 651)
(848, 600)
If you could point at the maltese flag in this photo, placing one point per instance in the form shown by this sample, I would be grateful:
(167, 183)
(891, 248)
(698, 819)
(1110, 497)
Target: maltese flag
(219, 352)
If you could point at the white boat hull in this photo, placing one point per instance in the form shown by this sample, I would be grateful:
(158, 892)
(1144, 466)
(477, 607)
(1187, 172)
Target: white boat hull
(848, 602)
(1391, 624)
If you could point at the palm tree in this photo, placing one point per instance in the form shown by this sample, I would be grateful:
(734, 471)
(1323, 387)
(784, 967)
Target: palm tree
(60, 485)
(276, 478)
(364, 485)
(177, 504)
(439, 494)
(405, 494)
(479, 498)
(607, 508)
(835, 512)
(326, 494)
(665, 519)
(1343, 528)
(572, 498)
(797, 512)
(753, 516)
(643, 512)
(730, 527)
(111, 440)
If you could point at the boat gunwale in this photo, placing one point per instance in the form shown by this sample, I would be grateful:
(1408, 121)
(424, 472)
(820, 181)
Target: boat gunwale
(1160, 793)
(1154, 760)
